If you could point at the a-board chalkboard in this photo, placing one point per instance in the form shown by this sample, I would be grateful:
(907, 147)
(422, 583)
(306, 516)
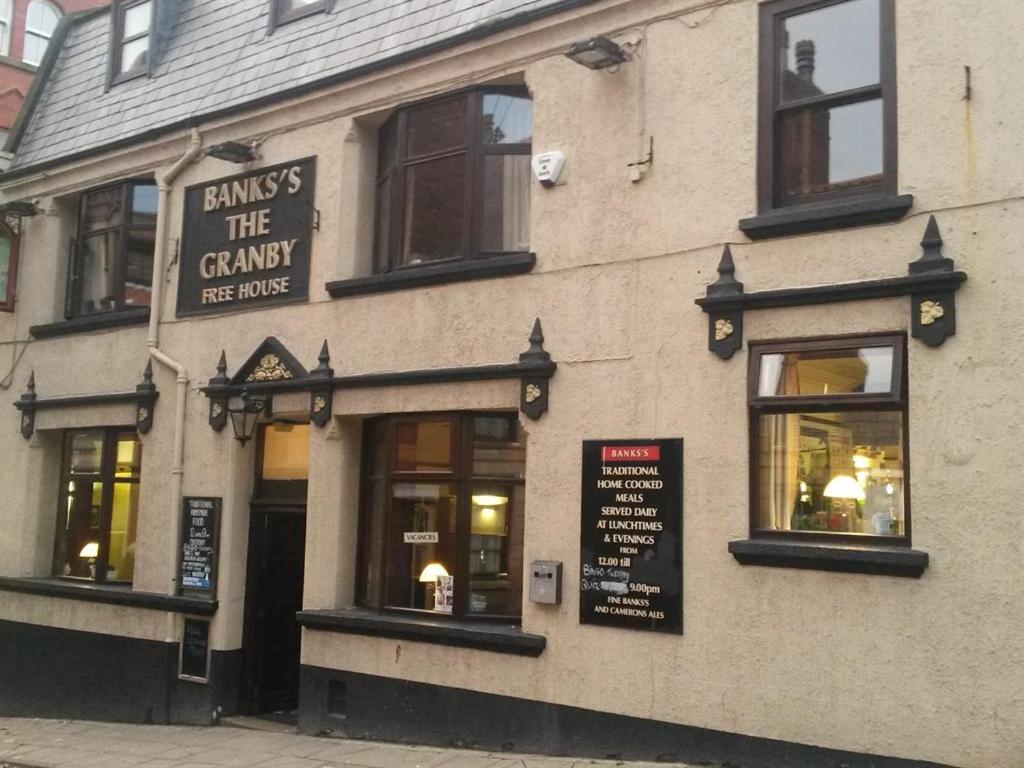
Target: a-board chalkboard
(200, 519)
(194, 659)
(631, 539)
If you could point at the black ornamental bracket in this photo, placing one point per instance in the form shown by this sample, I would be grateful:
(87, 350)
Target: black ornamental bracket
(279, 372)
(144, 398)
(931, 283)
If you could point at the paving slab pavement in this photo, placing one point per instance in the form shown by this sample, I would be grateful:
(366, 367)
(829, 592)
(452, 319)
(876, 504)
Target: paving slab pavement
(37, 743)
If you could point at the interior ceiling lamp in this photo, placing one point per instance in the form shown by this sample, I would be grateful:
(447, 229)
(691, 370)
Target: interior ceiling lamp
(597, 53)
(233, 152)
(243, 420)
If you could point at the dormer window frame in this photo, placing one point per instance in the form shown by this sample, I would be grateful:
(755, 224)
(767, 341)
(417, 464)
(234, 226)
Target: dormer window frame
(281, 13)
(118, 41)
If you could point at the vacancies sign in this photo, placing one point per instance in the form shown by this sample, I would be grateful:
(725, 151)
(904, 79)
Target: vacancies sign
(631, 549)
(246, 239)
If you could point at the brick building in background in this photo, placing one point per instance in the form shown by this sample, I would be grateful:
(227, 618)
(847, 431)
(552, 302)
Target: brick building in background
(25, 30)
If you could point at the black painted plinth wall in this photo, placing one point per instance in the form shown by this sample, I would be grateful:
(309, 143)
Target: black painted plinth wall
(62, 673)
(347, 704)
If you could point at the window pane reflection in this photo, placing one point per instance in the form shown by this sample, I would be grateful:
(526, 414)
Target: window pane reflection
(495, 553)
(435, 210)
(835, 372)
(830, 50)
(507, 119)
(826, 149)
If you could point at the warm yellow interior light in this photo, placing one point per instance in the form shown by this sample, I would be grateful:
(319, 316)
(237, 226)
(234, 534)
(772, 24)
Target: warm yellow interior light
(90, 550)
(432, 572)
(843, 487)
(861, 462)
(486, 500)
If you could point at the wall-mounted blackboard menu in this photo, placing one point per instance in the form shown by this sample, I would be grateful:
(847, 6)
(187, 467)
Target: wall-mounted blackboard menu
(200, 518)
(631, 551)
(194, 658)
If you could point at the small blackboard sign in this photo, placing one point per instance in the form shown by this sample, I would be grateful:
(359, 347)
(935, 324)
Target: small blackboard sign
(631, 550)
(200, 519)
(194, 659)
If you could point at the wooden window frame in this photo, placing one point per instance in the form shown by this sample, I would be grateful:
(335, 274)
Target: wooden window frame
(35, 33)
(74, 282)
(474, 150)
(7, 300)
(106, 476)
(895, 400)
(773, 14)
(118, 40)
(460, 478)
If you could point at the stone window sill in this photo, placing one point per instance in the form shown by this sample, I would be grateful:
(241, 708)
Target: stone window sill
(820, 217)
(847, 558)
(112, 594)
(98, 322)
(498, 638)
(434, 274)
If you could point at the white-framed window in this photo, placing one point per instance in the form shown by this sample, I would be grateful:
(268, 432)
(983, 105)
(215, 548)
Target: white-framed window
(40, 21)
(5, 27)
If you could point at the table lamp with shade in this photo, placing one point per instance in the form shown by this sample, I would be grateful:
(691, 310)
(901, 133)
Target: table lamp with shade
(90, 552)
(844, 492)
(429, 576)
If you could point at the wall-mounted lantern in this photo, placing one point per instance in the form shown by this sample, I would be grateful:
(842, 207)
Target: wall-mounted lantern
(233, 152)
(243, 420)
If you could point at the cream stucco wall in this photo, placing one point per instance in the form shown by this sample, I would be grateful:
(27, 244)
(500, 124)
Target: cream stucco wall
(928, 669)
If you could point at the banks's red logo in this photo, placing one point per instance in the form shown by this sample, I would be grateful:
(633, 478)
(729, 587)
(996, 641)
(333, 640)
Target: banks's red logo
(630, 453)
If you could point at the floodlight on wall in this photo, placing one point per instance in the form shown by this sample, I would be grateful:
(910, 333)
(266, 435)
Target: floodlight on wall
(597, 53)
(243, 420)
(233, 152)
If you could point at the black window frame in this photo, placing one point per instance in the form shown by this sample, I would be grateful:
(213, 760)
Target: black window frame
(461, 478)
(117, 40)
(73, 291)
(895, 400)
(106, 476)
(7, 299)
(279, 14)
(772, 17)
(474, 150)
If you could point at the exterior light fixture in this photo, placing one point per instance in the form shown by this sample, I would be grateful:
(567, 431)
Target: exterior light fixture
(233, 152)
(20, 208)
(243, 420)
(597, 53)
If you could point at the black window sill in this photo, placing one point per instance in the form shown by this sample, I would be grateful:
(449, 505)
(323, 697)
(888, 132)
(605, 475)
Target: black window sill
(434, 274)
(119, 594)
(847, 558)
(820, 217)
(498, 638)
(98, 322)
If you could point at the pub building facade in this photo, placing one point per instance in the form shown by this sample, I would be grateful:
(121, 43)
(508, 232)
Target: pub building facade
(543, 376)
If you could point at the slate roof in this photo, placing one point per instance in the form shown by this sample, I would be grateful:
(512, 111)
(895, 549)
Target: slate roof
(216, 56)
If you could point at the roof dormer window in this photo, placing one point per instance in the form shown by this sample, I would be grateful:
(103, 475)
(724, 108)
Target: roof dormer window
(283, 11)
(132, 35)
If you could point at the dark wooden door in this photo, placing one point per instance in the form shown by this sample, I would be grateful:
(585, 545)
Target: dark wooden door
(277, 548)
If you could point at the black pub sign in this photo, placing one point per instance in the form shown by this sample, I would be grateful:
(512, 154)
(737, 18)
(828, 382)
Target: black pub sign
(246, 239)
(631, 550)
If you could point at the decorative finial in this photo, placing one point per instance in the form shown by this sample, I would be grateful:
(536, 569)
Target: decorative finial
(932, 259)
(726, 284)
(221, 379)
(147, 375)
(31, 387)
(323, 369)
(536, 353)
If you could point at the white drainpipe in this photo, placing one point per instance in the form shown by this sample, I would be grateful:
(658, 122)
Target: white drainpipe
(153, 344)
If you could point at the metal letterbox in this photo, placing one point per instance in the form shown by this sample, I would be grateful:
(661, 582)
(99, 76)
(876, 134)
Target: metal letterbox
(546, 582)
